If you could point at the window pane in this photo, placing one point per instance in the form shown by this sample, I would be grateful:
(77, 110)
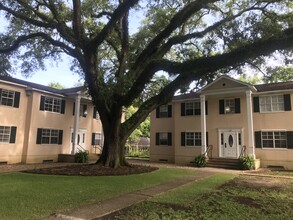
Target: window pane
(52, 104)
(7, 97)
(5, 134)
(163, 139)
(164, 111)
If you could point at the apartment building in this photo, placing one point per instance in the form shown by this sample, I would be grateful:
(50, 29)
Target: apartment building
(38, 123)
(227, 118)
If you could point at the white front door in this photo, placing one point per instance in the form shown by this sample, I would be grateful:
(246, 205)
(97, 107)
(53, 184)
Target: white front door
(230, 142)
(81, 141)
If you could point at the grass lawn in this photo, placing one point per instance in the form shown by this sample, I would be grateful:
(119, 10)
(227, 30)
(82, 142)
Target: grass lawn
(31, 196)
(221, 196)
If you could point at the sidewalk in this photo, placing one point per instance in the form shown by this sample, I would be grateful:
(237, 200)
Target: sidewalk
(103, 208)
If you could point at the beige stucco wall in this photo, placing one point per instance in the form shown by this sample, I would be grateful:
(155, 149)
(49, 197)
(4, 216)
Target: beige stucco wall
(216, 121)
(275, 121)
(28, 118)
(161, 153)
(10, 116)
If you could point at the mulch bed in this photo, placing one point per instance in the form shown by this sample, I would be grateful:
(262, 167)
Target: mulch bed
(93, 170)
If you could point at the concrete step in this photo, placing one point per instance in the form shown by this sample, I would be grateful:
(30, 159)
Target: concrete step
(224, 163)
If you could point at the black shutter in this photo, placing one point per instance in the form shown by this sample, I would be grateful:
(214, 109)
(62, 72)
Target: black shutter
(169, 139)
(16, 99)
(73, 111)
(42, 103)
(183, 109)
(257, 136)
(39, 136)
(93, 138)
(256, 104)
(169, 111)
(95, 113)
(12, 135)
(222, 106)
(206, 105)
(237, 105)
(158, 112)
(62, 106)
(157, 138)
(60, 137)
(290, 139)
(182, 138)
(84, 109)
(207, 138)
(287, 102)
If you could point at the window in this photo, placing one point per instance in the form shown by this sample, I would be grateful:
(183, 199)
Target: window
(193, 139)
(9, 98)
(229, 106)
(164, 138)
(52, 104)
(7, 134)
(164, 111)
(82, 110)
(96, 114)
(192, 108)
(97, 139)
(49, 136)
(274, 139)
(271, 103)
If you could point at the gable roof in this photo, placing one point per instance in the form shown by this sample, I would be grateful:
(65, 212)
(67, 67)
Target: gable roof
(274, 86)
(42, 87)
(258, 88)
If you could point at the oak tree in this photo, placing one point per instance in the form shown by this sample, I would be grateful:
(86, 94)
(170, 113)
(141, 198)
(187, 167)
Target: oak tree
(190, 40)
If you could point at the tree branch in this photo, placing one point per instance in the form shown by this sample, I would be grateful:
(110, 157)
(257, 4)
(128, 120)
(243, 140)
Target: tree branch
(178, 19)
(116, 16)
(17, 43)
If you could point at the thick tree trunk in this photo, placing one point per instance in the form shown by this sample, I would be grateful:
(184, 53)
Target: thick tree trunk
(113, 154)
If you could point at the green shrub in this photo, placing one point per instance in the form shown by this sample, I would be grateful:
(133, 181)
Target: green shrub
(247, 163)
(81, 157)
(201, 161)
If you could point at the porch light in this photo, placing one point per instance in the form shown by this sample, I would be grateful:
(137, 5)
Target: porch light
(85, 113)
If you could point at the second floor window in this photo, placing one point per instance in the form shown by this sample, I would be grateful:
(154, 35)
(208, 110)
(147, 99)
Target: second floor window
(229, 106)
(52, 104)
(273, 103)
(164, 111)
(9, 98)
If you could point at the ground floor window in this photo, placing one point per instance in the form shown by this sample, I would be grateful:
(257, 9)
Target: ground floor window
(191, 139)
(164, 138)
(274, 139)
(49, 136)
(97, 139)
(7, 134)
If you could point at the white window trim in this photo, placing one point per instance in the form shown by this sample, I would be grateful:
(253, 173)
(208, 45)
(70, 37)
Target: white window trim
(13, 99)
(273, 148)
(53, 105)
(8, 141)
(263, 96)
(192, 146)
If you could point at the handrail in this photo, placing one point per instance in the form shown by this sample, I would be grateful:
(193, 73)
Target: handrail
(82, 148)
(243, 151)
(209, 148)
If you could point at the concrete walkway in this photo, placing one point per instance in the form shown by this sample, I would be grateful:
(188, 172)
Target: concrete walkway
(103, 208)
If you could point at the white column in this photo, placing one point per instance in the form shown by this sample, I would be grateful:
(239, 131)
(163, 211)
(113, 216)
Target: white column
(203, 123)
(76, 122)
(251, 147)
